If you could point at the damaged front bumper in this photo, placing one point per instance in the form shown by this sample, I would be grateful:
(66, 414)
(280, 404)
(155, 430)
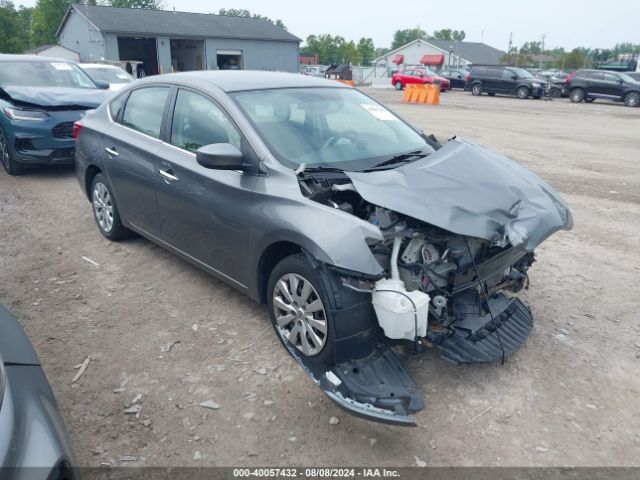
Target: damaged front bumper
(379, 387)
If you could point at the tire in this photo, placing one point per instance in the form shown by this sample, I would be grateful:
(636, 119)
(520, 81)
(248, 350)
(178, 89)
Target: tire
(105, 210)
(6, 157)
(577, 95)
(555, 93)
(398, 85)
(476, 89)
(289, 282)
(522, 93)
(632, 99)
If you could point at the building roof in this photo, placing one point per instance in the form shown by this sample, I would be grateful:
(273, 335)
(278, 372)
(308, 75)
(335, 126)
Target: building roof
(141, 21)
(473, 52)
(42, 48)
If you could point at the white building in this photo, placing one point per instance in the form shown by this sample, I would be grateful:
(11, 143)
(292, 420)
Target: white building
(57, 51)
(437, 54)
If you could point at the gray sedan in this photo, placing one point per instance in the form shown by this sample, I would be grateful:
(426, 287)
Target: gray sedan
(359, 231)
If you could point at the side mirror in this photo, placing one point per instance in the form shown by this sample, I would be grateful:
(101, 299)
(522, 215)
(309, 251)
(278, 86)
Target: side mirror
(514, 77)
(220, 156)
(102, 85)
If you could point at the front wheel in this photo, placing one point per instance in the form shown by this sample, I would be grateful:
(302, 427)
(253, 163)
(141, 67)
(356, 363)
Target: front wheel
(299, 309)
(632, 99)
(577, 95)
(10, 165)
(105, 210)
(398, 85)
(555, 93)
(476, 89)
(522, 93)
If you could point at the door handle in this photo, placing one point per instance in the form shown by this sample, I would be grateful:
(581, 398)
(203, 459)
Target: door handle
(111, 151)
(168, 175)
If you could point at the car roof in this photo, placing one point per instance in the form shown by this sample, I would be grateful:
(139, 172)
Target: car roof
(31, 58)
(239, 80)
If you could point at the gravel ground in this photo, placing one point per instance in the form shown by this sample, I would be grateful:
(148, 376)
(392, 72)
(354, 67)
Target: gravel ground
(568, 397)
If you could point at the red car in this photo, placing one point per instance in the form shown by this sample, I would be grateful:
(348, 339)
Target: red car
(419, 75)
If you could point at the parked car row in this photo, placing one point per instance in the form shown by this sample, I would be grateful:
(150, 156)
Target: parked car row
(581, 85)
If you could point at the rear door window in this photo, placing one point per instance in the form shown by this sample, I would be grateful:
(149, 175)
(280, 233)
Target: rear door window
(144, 110)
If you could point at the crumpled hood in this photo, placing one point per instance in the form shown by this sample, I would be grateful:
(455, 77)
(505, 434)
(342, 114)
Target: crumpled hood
(57, 96)
(470, 190)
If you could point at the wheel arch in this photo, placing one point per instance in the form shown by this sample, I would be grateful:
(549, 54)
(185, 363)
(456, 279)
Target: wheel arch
(89, 174)
(270, 257)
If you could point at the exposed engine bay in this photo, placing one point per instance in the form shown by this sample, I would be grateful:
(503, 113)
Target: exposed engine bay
(421, 258)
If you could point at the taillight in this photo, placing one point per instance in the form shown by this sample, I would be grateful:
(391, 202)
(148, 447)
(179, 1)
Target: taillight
(570, 77)
(468, 77)
(77, 126)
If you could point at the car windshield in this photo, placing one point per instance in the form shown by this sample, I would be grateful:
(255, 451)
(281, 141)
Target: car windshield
(108, 75)
(626, 77)
(521, 72)
(332, 127)
(44, 74)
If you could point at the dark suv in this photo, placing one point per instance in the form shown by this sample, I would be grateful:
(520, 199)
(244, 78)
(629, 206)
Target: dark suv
(494, 79)
(588, 85)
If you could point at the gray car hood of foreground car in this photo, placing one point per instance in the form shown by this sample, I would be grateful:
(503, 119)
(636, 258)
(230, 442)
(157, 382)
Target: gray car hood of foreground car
(469, 190)
(57, 96)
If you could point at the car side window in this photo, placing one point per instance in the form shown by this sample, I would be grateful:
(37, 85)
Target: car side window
(144, 110)
(610, 77)
(507, 74)
(198, 121)
(115, 106)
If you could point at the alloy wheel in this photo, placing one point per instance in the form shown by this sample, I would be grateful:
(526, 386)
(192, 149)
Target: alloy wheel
(632, 99)
(103, 206)
(476, 89)
(299, 314)
(577, 95)
(523, 93)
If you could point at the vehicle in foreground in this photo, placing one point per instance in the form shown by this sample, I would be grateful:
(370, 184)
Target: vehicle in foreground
(589, 85)
(359, 231)
(457, 76)
(33, 439)
(492, 79)
(419, 76)
(40, 98)
(112, 75)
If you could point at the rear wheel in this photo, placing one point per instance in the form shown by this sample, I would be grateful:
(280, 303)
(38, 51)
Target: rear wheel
(398, 85)
(10, 165)
(299, 309)
(105, 210)
(522, 93)
(555, 92)
(632, 99)
(577, 95)
(476, 89)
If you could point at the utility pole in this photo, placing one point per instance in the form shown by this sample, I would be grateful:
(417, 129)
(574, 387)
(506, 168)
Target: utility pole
(509, 52)
(542, 50)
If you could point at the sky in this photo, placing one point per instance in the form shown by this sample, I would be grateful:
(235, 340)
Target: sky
(597, 24)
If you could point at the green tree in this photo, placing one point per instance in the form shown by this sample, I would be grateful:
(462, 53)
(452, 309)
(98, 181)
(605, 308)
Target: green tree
(45, 20)
(402, 37)
(448, 34)
(241, 12)
(150, 4)
(367, 50)
(13, 37)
